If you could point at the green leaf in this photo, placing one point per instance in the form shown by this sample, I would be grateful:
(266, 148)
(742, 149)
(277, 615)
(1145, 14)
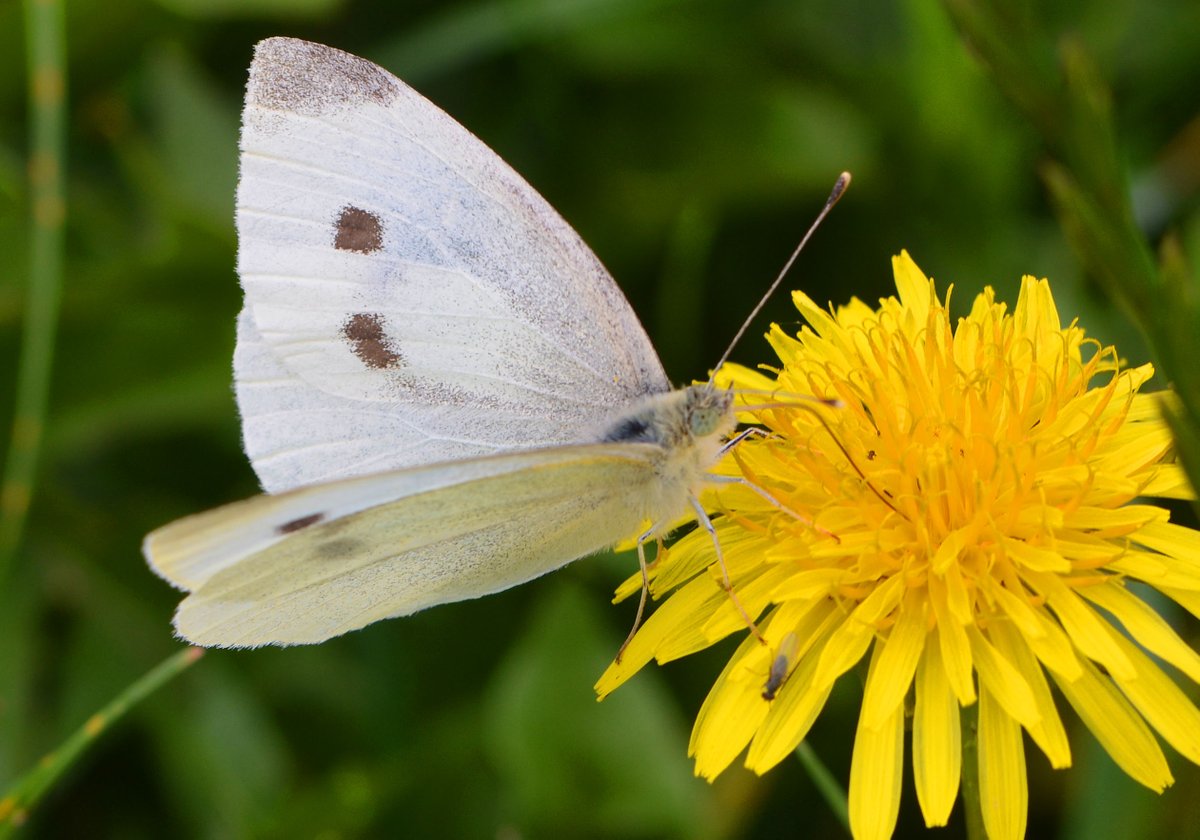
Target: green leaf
(570, 764)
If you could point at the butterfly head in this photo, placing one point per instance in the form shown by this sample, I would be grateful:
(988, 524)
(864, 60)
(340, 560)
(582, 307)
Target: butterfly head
(709, 411)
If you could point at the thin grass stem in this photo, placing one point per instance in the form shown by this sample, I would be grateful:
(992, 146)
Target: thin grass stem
(45, 35)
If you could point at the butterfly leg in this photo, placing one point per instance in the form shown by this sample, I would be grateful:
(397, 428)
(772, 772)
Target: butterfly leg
(726, 583)
(775, 503)
(637, 621)
(731, 479)
(741, 436)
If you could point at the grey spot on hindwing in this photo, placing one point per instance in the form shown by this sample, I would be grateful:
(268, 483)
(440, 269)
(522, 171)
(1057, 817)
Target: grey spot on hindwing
(341, 548)
(299, 524)
(369, 341)
(357, 230)
(312, 79)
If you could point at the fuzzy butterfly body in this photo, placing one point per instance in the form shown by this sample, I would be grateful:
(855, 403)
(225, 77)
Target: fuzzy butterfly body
(442, 390)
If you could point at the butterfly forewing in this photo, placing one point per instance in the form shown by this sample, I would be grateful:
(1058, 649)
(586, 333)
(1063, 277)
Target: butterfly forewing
(396, 269)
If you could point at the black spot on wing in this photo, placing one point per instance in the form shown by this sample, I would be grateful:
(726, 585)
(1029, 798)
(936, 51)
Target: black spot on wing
(357, 230)
(368, 338)
(299, 523)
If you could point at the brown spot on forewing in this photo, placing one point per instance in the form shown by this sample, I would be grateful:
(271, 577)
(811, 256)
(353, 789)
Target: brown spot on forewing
(369, 341)
(357, 230)
(299, 523)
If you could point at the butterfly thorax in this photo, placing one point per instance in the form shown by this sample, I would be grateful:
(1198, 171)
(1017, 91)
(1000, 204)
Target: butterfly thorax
(675, 418)
(688, 426)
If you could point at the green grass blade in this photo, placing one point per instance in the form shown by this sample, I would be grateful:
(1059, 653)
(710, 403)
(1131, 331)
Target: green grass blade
(23, 796)
(45, 35)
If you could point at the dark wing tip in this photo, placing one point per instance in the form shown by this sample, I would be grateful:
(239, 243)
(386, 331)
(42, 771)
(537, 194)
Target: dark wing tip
(288, 74)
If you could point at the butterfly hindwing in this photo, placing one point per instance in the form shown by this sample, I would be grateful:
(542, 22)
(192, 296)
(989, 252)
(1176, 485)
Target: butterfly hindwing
(304, 566)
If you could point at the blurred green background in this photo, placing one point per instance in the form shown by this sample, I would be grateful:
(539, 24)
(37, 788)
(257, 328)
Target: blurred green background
(690, 143)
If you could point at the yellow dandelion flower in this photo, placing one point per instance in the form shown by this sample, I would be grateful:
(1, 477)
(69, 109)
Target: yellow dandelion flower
(973, 530)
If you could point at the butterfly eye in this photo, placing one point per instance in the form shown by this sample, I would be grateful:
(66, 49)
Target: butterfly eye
(704, 421)
(706, 409)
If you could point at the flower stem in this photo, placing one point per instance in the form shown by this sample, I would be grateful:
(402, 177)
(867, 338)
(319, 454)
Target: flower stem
(826, 784)
(972, 805)
(28, 790)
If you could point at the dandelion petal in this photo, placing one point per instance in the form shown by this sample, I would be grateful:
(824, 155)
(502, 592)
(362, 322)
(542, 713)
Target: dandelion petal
(937, 739)
(895, 666)
(1003, 791)
(730, 715)
(1145, 625)
(1117, 726)
(1161, 702)
(1003, 680)
(875, 774)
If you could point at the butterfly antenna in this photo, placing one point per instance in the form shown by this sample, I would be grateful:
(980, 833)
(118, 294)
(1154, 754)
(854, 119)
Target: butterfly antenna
(843, 181)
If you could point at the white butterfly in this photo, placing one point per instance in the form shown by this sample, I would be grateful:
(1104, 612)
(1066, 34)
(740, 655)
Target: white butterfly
(440, 385)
